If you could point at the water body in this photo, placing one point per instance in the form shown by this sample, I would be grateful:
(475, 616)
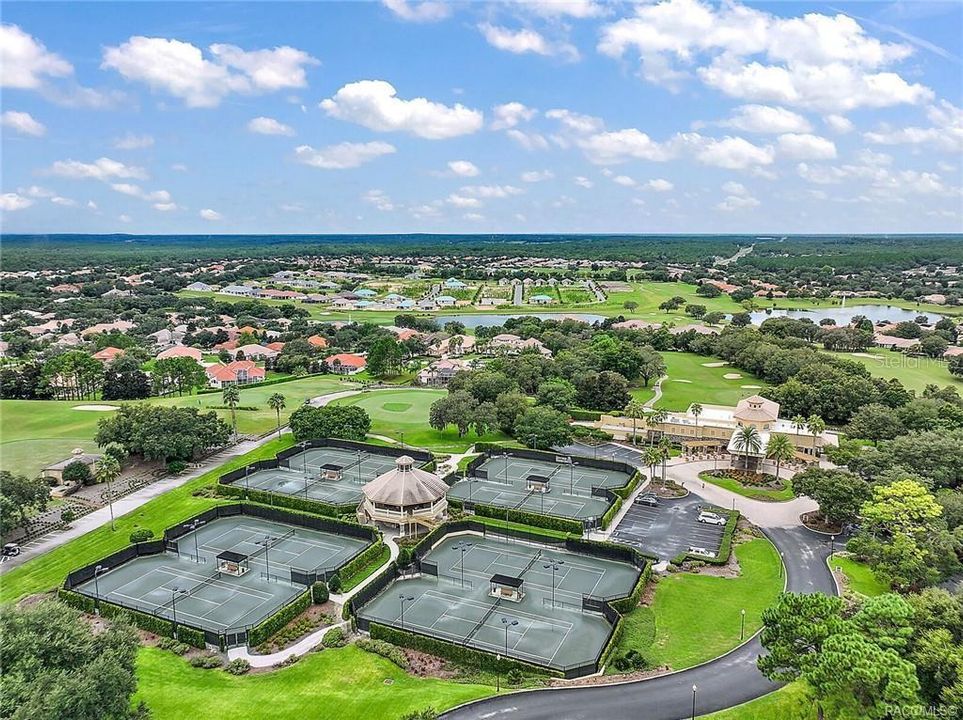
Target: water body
(474, 321)
(842, 315)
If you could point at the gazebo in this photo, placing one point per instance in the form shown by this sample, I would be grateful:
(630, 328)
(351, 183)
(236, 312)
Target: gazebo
(406, 497)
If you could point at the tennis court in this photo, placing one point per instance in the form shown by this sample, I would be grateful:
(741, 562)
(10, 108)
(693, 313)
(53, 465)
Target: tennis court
(561, 489)
(326, 474)
(188, 587)
(543, 623)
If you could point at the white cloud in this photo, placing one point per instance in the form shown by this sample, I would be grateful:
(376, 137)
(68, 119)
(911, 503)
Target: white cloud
(25, 63)
(578, 9)
(124, 218)
(838, 124)
(732, 153)
(462, 201)
(528, 140)
(463, 168)
(803, 146)
(766, 119)
(179, 167)
(101, 169)
(511, 114)
(534, 176)
(420, 12)
(624, 181)
(269, 126)
(165, 207)
(375, 105)
(576, 122)
(23, 123)
(63, 201)
(180, 68)
(130, 141)
(946, 132)
(35, 191)
(10, 202)
(583, 182)
(379, 199)
(156, 196)
(342, 156)
(210, 215)
(734, 188)
(474, 217)
(491, 191)
(525, 40)
(732, 203)
(658, 185)
(621, 145)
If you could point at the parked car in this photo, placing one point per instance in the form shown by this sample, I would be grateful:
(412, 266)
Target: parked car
(9, 550)
(647, 499)
(711, 518)
(696, 550)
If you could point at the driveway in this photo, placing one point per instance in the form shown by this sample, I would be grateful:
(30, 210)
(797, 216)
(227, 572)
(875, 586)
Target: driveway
(668, 529)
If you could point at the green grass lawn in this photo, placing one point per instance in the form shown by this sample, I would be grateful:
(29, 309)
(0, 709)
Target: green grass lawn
(914, 372)
(343, 684)
(36, 433)
(859, 577)
(405, 410)
(694, 618)
(688, 380)
(49, 570)
(791, 702)
(750, 492)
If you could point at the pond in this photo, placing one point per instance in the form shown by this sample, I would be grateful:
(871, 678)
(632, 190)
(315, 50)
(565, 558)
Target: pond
(474, 321)
(843, 315)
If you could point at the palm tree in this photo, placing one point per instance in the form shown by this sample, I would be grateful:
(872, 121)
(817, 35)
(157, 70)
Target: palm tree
(780, 449)
(747, 440)
(696, 410)
(651, 458)
(659, 417)
(454, 344)
(798, 423)
(231, 397)
(277, 404)
(816, 426)
(664, 449)
(634, 410)
(108, 468)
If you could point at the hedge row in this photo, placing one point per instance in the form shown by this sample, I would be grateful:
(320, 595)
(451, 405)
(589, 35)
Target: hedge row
(725, 546)
(612, 511)
(483, 447)
(459, 654)
(577, 414)
(191, 636)
(626, 490)
(291, 502)
(361, 563)
(278, 620)
(529, 518)
(613, 642)
(630, 602)
(150, 623)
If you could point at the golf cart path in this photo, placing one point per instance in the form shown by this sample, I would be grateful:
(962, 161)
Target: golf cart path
(656, 393)
(129, 503)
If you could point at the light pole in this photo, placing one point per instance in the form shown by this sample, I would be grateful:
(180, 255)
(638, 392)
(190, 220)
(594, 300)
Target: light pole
(402, 435)
(571, 476)
(175, 591)
(97, 571)
(498, 673)
(359, 467)
(266, 544)
(463, 547)
(508, 623)
(694, 690)
(832, 546)
(742, 631)
(404, 598)
(554, 565)
(192, 527)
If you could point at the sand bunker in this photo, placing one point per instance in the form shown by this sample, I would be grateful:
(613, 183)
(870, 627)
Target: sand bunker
(751, 387)
(683, 381)
(96, 408)
(732, 376)
(715, 364)
(865, 355)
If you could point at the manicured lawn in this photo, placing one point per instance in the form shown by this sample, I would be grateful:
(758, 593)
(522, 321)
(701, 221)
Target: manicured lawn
(405, 411)
(49, 570)
(791, 702)
(694, 618)
(689, 380)
(859, 577)
(37, 433)
(750, 492)
(343, 684)
(914, 372)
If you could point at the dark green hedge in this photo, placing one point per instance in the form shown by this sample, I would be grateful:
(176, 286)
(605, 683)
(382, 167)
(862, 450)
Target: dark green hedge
(579, 414)
(361, 562)
(278, 620)
(613, 642)
(629, 603)
(612, 511)
(76, 600)
(483, 447)
(460, 654)
(529, 518)
(150, 623)
(291, 502)
(626, 490)
(191, 636)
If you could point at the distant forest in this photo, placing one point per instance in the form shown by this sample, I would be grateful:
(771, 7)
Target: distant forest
(843, 253)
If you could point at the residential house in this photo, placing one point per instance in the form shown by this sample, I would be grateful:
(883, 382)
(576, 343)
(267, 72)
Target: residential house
(107, 354)
(239, 290)
(444, 346)
(895, 343)
(541, 299)
(200, 287)
(454, 284)
(239, 372)
(253, 351)
(346, 363)
(179, 351)
(440, 372)
(513, 345)
(100, 328)
(445, 301)
(65, 288)
(318, 341)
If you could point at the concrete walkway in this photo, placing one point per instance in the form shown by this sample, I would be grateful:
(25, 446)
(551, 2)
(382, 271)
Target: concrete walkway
(657, 393)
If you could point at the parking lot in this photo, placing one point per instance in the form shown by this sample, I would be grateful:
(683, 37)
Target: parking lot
(669, 529)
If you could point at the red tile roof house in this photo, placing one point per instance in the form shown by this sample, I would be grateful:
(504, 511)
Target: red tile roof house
(239, 372)
(107, 354)
(318, 341)
(346, 363)
(180, 351)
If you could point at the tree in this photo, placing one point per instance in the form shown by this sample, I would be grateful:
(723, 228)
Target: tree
(651, 458)
(163, 433)
(277, 403)
(77, 473)
(55, 667)
(741, 319)
(798, 423)
(955, 365)
(348, 422)
(652, 365)
(457, 408)
(696, 311)
(124, 380)
(780, 449)
(840, 494)
(748, 442)
(875, 422)
(231, 397)
(385, 356)
(934, 345)
(20, 496)
(487, 385)
(794, 630)
(708, 291)
(558, 394)
(635, 410)
(603, 391)
(509, 406)
(630, 305)
(108, 468)
(665, 452)
(816, 427)
(696, 410)
(543, 427)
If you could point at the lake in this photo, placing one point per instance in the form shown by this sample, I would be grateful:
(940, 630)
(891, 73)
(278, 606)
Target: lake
(474, 321)
(842, 315)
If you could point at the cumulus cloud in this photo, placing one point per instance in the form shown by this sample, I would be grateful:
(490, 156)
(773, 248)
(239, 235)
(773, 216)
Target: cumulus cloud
(379, 199)
(23, 123)
(156, 196)
(374, 104)
(210, 215)
(491, 191)
(658, 185)
(576, 122)
(130, 141)
(269, 126)
(182, 70)
(945, 133)
(462, 201)
(804, 146)
(732, 203)
(534, 176)
(766, 119)
(342, 156)
(463, 168)
(621, 145)
(25, 62)
(419, 12)
(525, 40)
(101, 169)
(11, 202)
(508, 115)
(624, 181)
(583, 182)
(732, 153)
(838, 124)
(578, 9)
(528, 140)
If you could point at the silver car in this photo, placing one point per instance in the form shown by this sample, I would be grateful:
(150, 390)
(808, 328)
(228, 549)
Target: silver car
(710, 518)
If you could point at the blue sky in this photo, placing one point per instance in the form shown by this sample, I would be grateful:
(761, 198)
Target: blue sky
(671, 116)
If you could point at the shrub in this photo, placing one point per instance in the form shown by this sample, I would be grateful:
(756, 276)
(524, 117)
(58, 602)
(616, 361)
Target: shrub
(175, 467)
(175, 646)
(334, 583)
(386, 650)
(279, 619)
(67, 515)
(333, 638)
(238, 666)
(514, 677)
(141, 535)
(319, 593)
(287, 663)
(207, 662)
(629, 661)
(77, 473)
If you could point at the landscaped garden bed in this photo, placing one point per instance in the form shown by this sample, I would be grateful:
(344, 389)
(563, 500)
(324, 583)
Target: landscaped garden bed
(757, 486)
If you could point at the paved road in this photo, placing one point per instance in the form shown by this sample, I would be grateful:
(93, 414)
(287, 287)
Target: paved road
(721, 683)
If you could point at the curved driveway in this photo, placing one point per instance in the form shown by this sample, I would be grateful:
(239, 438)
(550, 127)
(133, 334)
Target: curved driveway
(721, 683)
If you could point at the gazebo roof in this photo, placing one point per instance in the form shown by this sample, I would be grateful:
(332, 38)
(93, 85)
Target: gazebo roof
(756, 409)
(405, 485)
